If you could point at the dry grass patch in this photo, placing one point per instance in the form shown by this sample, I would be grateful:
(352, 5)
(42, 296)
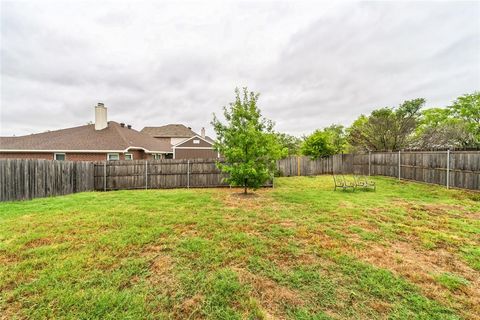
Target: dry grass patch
(272, 297)
(419, 266)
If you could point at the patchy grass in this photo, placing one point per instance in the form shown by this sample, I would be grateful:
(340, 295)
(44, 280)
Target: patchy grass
(451, 281)
(299, 251)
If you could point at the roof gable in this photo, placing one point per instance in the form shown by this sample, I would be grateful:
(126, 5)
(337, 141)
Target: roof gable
(189, 143)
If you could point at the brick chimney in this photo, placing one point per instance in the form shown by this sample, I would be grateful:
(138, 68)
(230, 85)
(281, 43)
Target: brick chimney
(100, 116)
(203, 133)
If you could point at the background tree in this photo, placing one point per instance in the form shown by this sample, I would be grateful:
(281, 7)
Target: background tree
(326, 142)
(289, 143)
(247, 141)
(386, 128)
(337, 137)
(467, 109)
(439, 128)
(317, 145)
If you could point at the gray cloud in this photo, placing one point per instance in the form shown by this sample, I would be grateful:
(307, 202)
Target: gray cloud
(156, 63)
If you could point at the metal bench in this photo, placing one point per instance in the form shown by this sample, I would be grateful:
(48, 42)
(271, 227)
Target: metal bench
(341, 182)
(362, 181)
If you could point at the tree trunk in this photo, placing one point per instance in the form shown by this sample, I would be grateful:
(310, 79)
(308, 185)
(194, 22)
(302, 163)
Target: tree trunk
(245, 186)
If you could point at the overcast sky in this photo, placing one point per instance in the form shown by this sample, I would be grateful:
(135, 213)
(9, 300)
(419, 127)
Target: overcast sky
(154, 63)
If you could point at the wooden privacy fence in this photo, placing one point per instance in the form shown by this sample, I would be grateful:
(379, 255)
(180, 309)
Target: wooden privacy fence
(158, 174)
(26, 179)
(22, 179)
(304, 166)
(459, 169)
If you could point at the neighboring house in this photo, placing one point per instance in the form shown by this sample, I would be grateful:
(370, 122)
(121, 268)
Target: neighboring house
(186, 144)
(103, 140)
(195, 147)
(173, 133)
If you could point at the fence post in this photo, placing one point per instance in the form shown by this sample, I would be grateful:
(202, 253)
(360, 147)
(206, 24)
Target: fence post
(298, 165)
(105, 176)
(448, 168)
(146, 174)
(399, 164)
(369, 162)
(188, 174)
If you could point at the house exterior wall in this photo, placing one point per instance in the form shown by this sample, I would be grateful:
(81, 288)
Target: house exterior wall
(137, 155)
(18, 155)
(85, 156)
(195, 153)
(73, 156)
(190, 144)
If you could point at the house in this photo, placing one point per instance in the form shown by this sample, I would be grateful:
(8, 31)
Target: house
(186, 144)
(103, 140)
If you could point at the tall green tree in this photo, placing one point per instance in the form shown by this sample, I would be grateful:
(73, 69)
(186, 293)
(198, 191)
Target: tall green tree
(386, 128)
(440, 128)
(247, 142)
(337, 137)
(317, 145)
(467, 109)
(289, 143)
(321, 143)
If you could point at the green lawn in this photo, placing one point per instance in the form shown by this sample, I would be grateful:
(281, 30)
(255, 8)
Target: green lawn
(299, 251)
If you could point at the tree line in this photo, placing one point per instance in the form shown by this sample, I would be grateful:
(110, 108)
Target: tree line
(407, 126)
(251, 146)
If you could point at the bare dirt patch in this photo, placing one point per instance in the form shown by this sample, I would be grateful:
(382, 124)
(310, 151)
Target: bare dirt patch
(433, 209)
(190, 307)
(271, 296)
(288, 224)
(233, 198)
(8, 258)
(12, 311)
(161, 268)
(40, 242)
(319, 239)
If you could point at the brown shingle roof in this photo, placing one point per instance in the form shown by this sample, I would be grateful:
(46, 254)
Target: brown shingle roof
(169, 131)
(114, 137)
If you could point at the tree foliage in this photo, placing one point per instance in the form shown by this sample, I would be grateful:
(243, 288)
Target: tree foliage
(466, 108)
(386, 128)
(289, 143)
(439, 128)
(326, 142)
(247, 142)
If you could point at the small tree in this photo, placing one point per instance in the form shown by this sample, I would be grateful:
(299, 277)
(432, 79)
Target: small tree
(247, 142)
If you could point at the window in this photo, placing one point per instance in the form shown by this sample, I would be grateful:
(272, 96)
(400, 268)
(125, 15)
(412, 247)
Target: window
(196, 141)
(168, 155)
(157, 156)
(128, 156)
(113, 156)
(59, 156)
